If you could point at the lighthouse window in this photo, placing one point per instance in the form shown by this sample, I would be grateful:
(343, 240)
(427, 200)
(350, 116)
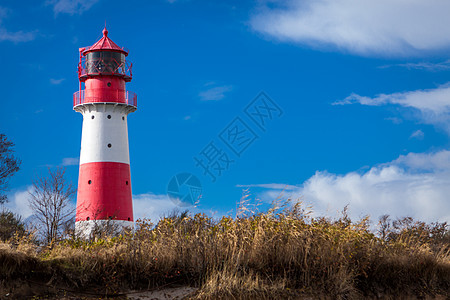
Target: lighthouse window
(129, 218)
(105, 62)
(90, 181)
(123, 118)
(109, 84)
(92, 117)
(109, 116)
(126, 182)
(109, 145)
(87, 219)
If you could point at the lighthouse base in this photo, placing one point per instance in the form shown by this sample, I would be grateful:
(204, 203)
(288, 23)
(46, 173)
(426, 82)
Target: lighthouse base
(92, 228)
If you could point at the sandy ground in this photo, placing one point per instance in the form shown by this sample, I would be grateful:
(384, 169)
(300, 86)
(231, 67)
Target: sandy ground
(167, 293)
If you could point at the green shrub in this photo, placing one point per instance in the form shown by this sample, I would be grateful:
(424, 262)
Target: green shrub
(10, 224)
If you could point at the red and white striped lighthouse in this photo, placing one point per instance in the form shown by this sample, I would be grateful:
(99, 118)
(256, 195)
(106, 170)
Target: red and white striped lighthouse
(104, 183)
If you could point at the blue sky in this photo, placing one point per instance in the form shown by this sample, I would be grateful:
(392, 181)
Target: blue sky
(364, 91)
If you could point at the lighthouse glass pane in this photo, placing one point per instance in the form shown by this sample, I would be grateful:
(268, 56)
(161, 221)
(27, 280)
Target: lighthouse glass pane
(105, 62)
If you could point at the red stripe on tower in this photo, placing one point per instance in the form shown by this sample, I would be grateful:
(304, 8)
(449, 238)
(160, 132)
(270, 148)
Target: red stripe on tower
(105, 192)
(104, 183)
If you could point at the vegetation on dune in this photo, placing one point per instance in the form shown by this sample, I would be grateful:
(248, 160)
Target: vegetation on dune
(272, 255)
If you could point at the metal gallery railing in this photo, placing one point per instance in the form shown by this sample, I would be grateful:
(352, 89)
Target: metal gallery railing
(79, 98)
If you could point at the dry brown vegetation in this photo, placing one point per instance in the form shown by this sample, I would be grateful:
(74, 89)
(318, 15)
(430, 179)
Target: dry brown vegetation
(280, 254)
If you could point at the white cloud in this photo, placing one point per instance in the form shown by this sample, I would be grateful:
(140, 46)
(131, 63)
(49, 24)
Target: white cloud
(15, 37)
(433, 105)
(418, 134)
(394, 120)
(383, 27)
(18, 203)
(382, 190)
(278, 186)
(152, 206)
(56, 81)
(71, 7)
(428, 66)
(414, 185)
(70, 161)
(215, 93)
(423, 162)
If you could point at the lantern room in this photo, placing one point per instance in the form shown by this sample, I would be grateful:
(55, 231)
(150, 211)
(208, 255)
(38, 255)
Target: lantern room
(104, 58)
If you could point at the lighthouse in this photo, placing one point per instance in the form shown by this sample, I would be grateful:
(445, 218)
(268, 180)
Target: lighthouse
(104, 183)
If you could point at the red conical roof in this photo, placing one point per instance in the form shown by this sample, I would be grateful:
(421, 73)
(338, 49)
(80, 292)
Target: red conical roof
(105, 43)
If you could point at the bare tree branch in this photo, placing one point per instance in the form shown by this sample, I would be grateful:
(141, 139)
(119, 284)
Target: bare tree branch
(9, 165)
(50, 201)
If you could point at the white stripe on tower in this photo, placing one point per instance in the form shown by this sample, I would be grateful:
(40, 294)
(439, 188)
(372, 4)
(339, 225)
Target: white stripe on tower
(103, 125)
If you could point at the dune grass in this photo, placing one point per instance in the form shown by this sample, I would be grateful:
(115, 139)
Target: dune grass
(279, 254)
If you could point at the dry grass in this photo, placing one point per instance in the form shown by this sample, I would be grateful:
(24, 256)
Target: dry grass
(273, 255)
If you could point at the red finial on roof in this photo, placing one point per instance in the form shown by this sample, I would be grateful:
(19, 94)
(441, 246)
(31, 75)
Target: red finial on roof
(105, 43)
